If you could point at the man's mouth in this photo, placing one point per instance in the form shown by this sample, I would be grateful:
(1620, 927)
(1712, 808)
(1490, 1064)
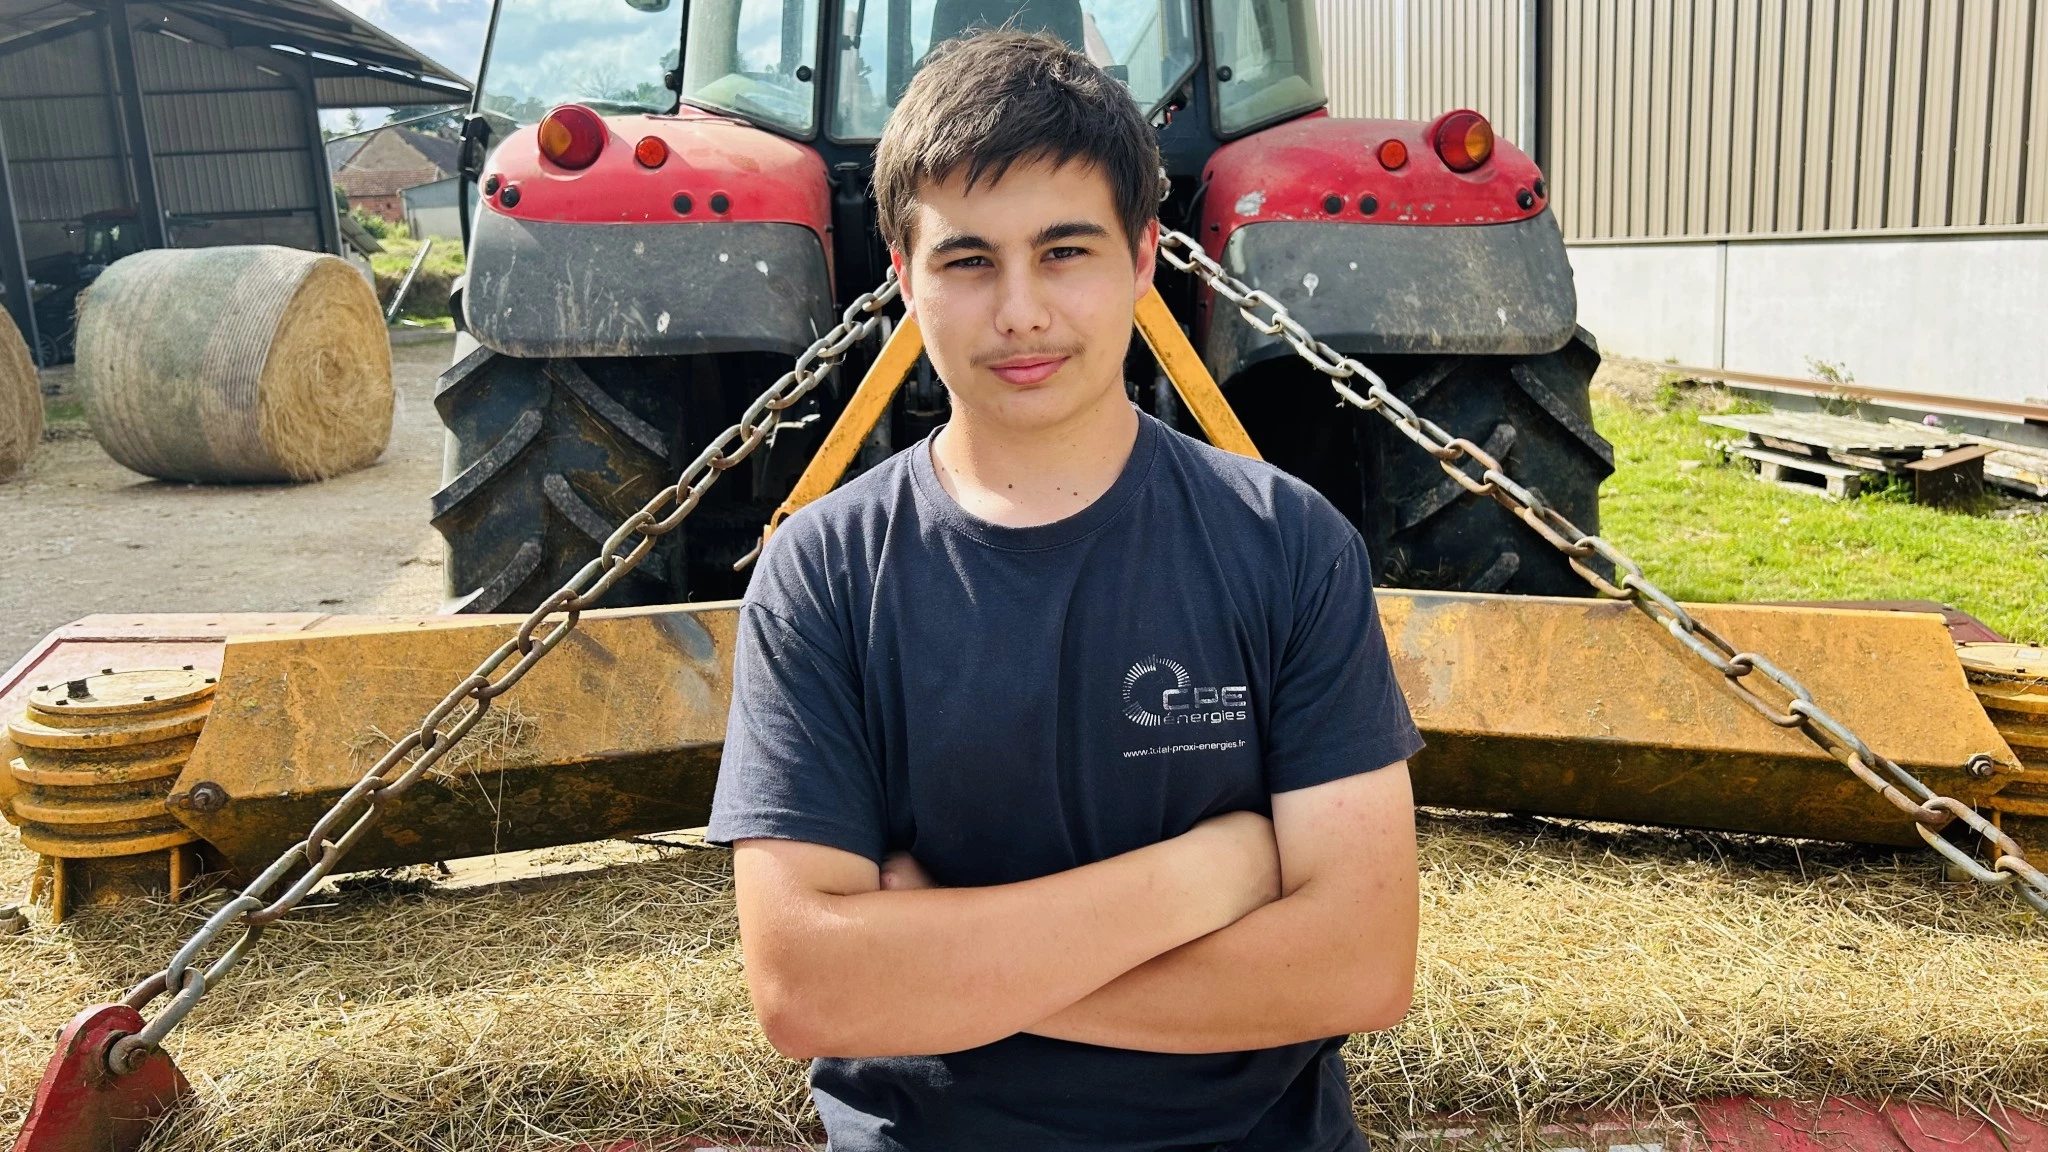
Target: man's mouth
(1027, 369)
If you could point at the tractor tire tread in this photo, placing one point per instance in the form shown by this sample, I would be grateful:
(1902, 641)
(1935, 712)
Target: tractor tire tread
(1444, 537)
(553, 454)
(1540, 391)
(458, 375)
(575, 509)
(495, 459)
(508, 580)
(571, 375)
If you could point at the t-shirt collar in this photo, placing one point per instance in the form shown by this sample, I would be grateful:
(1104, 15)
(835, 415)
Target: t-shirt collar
(933, 500)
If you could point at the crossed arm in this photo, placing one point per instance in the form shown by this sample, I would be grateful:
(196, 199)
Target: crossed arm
(1238, 934)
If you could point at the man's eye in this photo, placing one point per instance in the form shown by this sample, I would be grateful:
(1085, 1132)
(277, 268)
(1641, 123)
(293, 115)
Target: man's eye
(1065, 253)
(970, 262)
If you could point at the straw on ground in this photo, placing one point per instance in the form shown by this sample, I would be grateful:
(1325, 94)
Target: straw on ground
(1563, 966)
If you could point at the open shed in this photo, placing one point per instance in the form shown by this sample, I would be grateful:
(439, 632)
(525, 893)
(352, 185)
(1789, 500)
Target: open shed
(184, 123)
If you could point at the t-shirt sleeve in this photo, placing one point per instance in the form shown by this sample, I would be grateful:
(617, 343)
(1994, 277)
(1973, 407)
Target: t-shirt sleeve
(797, 765)
(1337, 710)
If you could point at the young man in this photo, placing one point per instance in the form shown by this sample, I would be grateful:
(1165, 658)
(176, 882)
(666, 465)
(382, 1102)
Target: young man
(1065, 773)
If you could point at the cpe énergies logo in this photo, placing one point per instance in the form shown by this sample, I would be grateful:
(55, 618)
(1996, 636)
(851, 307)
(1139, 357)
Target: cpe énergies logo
(1159, 692)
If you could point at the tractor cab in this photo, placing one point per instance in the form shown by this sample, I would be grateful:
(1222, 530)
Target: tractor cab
(830, 73)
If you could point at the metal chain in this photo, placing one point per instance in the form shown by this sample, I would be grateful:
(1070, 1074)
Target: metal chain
(1927, 809)
(359, 809)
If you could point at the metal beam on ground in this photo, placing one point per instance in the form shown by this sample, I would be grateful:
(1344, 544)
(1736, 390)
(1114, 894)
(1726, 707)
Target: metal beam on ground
(621, 731)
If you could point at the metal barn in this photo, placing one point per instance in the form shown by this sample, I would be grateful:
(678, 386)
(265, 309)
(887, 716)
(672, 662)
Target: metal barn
(1845, 187)
(186, 123)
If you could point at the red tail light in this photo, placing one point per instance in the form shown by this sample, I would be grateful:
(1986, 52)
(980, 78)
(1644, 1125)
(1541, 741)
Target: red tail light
(1463, 139)
(651, 152)
(572, 136)
(1393, 154)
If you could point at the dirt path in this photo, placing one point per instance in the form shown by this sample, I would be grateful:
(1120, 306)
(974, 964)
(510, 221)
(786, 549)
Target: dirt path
(85, 535)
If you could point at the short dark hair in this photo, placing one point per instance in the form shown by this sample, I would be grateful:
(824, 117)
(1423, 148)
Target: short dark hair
(984, 103)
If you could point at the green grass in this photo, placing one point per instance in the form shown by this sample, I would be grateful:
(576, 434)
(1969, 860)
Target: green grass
(1713, 532)
(428, 299)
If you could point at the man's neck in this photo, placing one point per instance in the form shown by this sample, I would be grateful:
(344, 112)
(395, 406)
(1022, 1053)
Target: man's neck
(1020, 478)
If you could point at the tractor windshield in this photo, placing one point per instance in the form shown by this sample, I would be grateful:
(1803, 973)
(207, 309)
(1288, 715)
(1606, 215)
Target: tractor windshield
(1147, 44)
(609, 54)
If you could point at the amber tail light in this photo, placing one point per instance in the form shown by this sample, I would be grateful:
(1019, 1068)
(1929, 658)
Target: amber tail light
(1463, 140)
(572, 136)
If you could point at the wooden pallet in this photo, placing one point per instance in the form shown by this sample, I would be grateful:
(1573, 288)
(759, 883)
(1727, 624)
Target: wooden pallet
(1837, 455)
(1836, 481)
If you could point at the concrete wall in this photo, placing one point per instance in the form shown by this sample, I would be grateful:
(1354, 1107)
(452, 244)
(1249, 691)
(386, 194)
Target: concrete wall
(432, 209)
(1955, 315)
(443, 221)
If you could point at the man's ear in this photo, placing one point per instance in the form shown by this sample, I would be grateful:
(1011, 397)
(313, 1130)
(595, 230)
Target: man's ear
(902, 267)
(1148, 256)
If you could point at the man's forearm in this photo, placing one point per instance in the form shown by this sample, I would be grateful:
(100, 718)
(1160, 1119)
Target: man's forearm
(875, 973)
(1310, 965)
(1336, 954)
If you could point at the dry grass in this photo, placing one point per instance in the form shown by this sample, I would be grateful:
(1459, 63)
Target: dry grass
(21, 400)
(325, 399)
(1564, 966)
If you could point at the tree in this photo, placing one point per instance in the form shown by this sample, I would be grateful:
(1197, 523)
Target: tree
(442, 120)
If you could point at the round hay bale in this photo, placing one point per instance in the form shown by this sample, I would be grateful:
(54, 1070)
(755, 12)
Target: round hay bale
(246, 363)
(21, 400)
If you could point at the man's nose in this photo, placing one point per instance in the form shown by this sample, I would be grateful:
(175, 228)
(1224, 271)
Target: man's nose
(1023, 307)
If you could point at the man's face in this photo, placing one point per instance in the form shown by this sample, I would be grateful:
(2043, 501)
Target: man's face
(1025, 290)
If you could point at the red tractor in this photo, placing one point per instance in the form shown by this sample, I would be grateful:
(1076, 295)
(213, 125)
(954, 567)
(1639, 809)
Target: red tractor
(670, 200)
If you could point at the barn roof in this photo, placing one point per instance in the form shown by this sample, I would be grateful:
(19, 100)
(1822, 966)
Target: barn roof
(355, 64)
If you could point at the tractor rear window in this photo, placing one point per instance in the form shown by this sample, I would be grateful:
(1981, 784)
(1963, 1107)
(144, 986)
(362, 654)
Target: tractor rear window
(758, 58)
(609, 54)
(1267, 63)
(1147, 44)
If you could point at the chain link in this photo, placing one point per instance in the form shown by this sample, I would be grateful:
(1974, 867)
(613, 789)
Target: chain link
(357, 811)
(1928, 810)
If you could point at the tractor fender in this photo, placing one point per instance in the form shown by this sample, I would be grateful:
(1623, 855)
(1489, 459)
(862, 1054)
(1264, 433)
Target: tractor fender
(1413, 260)
(718, 248)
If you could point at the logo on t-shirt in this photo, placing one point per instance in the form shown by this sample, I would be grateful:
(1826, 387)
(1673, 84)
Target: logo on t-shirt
(1158, 691)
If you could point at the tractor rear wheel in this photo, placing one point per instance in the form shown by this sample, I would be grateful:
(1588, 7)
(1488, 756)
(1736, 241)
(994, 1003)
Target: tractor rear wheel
(545, 458)
(1532, 413)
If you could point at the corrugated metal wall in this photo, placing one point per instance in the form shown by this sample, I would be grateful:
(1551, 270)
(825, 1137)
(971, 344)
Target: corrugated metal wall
(1358, 56)
(1740, 118)
(1733, 118)
(237, 157)
(63, 139)
(1417, 58)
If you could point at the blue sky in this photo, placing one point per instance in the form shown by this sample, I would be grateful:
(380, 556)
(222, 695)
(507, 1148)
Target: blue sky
(450, 31)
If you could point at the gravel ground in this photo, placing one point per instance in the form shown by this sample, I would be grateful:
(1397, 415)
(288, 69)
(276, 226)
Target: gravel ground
(86, 535)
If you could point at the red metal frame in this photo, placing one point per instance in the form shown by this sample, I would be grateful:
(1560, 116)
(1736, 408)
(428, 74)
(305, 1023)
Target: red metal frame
(82, 1107)
(79, 1110)
(765, 178)
(1297, 170)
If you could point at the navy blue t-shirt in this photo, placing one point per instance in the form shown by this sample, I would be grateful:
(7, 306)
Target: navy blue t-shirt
(1006, 703)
